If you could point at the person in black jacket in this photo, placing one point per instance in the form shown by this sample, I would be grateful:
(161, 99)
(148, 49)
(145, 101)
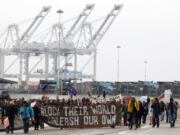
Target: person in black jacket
(139, 113)
(37, 112)
(162, 110)
(172, 112)
(124, 112)
(156, 112)
(10, 113)
(104, 94)
(145, 111)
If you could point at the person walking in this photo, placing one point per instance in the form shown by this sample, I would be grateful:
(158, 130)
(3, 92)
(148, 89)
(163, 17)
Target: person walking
(10, 112)
(37, 113)
(162, 110)
(132, 112)
(124, 112)
(139, 113)
(176, 103)
(41, 119)
(144, 111)
(166, 111)
(156, 113)
(104, 94)
(172, 112)
(26, 112)
(150, 111)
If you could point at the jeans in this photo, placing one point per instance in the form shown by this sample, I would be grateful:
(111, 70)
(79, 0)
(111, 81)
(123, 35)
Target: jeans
(172, 118)
(162, 116)
(167, 117)
(144, 118)
(36, 123)
(41, 122)
(26, 125)
(156, 120)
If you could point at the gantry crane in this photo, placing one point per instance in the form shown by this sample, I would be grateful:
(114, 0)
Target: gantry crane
(51, 48)
(19, 44)
(65, 46)
(95, 39)
(101, 32)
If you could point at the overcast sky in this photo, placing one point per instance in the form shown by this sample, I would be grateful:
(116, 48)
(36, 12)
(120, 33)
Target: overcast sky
(146, 30)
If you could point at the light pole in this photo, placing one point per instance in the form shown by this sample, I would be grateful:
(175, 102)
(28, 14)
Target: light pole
(59, 34)
(118, 47)
(145, 70)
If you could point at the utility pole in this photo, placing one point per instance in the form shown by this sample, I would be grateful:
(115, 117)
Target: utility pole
(59, 54)
(118, 47)
(145, 70)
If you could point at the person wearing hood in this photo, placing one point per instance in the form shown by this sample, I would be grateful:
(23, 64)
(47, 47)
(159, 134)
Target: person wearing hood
(26, 112)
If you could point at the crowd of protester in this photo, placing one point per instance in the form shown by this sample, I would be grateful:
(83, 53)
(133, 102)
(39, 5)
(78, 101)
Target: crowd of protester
(15, 109)
(30, 110)
(134, 113)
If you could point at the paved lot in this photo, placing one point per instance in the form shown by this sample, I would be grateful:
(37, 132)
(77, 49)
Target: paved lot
(164, 129)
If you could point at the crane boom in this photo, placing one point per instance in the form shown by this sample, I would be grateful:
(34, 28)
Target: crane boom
(105, 26)
(82, 16)
(35, 24)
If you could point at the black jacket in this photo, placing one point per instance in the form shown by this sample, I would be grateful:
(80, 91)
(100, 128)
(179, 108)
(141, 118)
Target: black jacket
(11, 111)
(156, 109)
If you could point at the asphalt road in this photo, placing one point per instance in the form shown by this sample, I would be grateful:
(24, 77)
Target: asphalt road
(164, 129)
